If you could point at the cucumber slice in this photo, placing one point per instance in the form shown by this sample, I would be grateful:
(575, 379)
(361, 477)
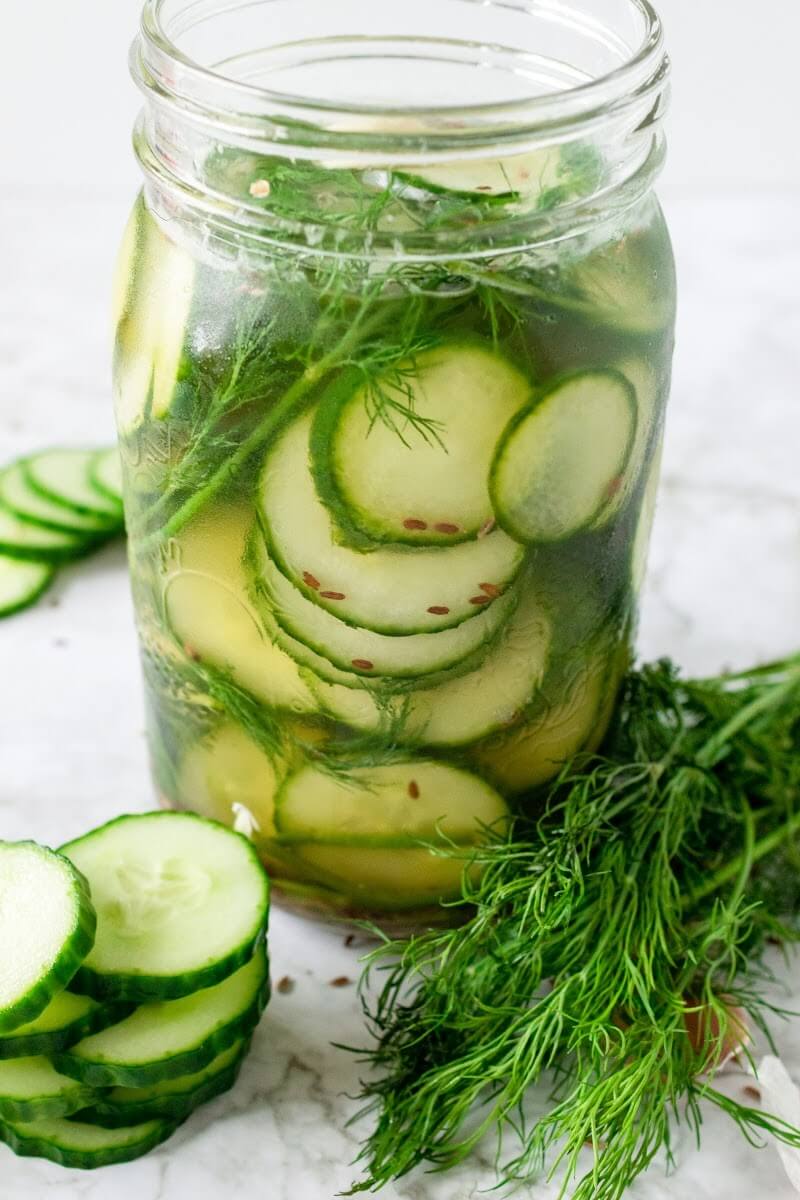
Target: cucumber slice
(468, 707)
(173, 1099)
(209, 610)
(83, 1146)
(22, 539)
(181, 902)
(105, 476)
(393, 591)
(534, 753)
(17, 495)
(226, 773)
(562, 460)
(406, 457)
(396, 806)
(168, 1038)
(531, 176)
(22, 583)
(384, 879)
(151, 333)
(627, 284)
(32, 1089)
(125, 265)
(365, 652)
(305, 656)
(644, 526)
(62, 476)
(47, 927)
(644, 382)
(67, 1019)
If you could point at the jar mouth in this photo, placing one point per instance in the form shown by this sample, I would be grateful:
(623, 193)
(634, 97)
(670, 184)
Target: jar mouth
(529, 67)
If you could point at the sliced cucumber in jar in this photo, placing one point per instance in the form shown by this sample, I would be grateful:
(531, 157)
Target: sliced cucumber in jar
(397, 805)
(644, 381)
(173, 1099)
(181, 904)
(151, 332)
(32, 1088)
(468, 707)
(47, 927)
(22, 583)
(644, 526)
(80, 1145)
(229, 777)
(207, 603)
(386, 879)
(370, 654)
(562, 460)
(405, 457)
(63, 477)
(166, 1039)
(628, 284)
(389, 590)
(533, 753)
(67, 1018)
(531, 176)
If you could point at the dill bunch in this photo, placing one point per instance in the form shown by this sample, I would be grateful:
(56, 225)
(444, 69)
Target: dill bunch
(614, 948)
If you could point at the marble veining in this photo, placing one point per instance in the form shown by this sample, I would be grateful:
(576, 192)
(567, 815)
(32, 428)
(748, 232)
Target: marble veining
(724, 588)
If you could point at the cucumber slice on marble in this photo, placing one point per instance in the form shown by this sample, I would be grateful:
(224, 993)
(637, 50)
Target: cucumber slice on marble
(105, 475)
(67, 1018)
(467, 707)
(227, 775)
(151, 331)
(169, 1038)
(17, 495)
(63, 477)
(22, 583)
(397, 805)
(395, 590)
(47, 927)
(32, 1089)
(367, 653)
(77, 1144)
(25, 540)
(173, 1099)
(406, 457)
(212, 615)
(562, 460)
(182, 903)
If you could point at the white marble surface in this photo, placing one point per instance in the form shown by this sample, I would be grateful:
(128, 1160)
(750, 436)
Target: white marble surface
(724, 588)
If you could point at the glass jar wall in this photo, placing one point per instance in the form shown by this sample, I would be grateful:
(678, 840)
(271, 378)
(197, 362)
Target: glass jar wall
(390, 377)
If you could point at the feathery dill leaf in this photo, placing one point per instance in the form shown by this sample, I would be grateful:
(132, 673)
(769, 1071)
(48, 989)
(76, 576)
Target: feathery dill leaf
(611, 942)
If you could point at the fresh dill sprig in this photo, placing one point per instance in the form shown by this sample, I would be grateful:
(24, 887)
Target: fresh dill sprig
(613, 945)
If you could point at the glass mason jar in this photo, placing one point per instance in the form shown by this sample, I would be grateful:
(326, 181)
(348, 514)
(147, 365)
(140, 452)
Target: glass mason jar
(394, 320)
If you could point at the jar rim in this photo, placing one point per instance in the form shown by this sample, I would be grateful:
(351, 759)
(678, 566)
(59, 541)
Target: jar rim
(162, 67)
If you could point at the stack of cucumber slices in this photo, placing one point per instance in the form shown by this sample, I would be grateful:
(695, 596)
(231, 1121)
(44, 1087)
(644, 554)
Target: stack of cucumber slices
(134, 974)
(55, 507)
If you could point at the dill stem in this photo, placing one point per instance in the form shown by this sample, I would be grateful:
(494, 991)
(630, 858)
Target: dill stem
(273, 419)
(755, 708)
(752, 854)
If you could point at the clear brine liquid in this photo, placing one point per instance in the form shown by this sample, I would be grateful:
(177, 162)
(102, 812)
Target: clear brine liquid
(380, 601)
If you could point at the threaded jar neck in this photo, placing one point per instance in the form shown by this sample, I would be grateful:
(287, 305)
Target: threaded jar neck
(459, 90)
